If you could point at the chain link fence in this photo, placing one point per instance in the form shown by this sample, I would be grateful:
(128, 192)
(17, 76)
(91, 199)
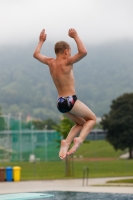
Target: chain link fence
(19, 141)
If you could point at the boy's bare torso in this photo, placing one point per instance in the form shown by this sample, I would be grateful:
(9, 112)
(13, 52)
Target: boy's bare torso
(62, 75)
(61, 68)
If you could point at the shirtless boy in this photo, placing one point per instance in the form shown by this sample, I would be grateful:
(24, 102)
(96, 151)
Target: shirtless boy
(61, 70)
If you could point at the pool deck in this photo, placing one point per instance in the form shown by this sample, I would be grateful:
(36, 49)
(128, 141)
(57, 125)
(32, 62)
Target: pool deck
(94, 185)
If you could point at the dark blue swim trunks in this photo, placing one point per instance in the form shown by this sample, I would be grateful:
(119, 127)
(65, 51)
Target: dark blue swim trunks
(65, 104)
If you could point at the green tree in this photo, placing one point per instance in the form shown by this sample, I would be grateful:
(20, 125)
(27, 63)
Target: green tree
(63, 128)
(119, 123)
(50, 123)
(40, 124)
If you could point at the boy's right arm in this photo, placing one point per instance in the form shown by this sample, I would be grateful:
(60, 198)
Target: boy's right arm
(37, 53)
(82, 52)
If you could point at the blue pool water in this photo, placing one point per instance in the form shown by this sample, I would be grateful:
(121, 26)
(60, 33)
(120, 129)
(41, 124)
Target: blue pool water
(57, 195)
(87, 196)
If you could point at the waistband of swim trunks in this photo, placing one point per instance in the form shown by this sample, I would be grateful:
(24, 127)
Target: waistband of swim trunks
(74, 96)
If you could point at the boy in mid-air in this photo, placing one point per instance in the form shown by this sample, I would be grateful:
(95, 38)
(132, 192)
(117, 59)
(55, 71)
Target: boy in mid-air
(61, 70)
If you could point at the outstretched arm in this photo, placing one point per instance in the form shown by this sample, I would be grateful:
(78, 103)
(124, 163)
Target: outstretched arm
(37, 53)
(82, 52)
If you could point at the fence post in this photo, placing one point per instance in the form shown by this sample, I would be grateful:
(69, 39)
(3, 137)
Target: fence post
(32, 139)
(20, 136)
(46, 152)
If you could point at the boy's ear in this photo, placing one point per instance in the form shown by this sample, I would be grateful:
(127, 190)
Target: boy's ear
(66, 51)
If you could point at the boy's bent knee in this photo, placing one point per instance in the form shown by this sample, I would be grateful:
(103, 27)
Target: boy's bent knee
(81, 123)
(93, 118)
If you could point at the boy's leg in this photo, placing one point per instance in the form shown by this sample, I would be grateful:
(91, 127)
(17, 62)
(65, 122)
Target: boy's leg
(82, 111)
(73, 132)
(75, 129)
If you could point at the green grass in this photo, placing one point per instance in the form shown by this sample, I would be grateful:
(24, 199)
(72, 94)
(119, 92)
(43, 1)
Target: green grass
(98, 149)
(95, 149)
(56, 170)
(122, 181)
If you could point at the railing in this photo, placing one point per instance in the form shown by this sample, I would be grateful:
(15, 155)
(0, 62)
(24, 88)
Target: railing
(85, 175)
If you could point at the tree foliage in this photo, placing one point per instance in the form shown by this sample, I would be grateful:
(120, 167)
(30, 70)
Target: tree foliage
(63, 128)
(119, 123)
(3, 124)
(41, 124)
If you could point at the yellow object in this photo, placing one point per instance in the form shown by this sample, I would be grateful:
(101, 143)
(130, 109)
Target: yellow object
(16, 173)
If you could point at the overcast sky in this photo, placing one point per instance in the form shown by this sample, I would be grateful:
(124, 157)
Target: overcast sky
(96, 21)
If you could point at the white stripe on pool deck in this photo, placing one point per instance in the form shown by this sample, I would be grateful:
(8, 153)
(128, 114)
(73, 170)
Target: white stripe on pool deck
(22, 196)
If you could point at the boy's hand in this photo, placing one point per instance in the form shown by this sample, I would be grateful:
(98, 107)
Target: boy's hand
(72, 33)
(42, 36)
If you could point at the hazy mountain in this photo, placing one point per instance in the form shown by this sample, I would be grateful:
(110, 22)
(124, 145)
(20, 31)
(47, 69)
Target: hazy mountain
(26, 86)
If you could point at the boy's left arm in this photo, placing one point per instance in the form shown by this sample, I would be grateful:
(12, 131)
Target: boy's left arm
(37, 54)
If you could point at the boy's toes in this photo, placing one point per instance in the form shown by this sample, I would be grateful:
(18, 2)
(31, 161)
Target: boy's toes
(63, 149)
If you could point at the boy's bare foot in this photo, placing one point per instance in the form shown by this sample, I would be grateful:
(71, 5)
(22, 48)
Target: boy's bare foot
(63, 149)
(77, 143)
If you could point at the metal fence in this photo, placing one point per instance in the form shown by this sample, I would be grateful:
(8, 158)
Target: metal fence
(96, 134)
(23, 145)
(20, 141)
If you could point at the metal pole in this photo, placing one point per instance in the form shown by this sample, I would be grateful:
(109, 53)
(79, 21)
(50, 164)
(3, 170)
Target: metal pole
(8, 134)
(85, 175)
(32, 138)
(9, 115)
(4, 122)
(46, 143)
(20, 136)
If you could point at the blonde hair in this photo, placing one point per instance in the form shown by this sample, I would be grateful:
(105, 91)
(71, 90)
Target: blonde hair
(61, 46)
